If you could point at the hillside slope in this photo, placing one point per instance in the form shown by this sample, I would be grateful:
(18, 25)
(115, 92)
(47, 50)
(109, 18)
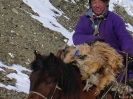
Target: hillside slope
(20, 35)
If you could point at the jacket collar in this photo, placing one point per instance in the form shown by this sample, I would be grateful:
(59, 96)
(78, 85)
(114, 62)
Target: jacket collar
(95, 19)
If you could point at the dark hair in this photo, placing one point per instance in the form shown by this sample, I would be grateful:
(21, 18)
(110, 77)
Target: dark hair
(101, 0)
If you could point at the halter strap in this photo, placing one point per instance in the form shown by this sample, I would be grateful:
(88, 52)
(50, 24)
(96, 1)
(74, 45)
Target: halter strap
(56, 87)
(37, 94)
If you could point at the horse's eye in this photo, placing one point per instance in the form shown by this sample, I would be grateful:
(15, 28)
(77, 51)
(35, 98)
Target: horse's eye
(48, 82)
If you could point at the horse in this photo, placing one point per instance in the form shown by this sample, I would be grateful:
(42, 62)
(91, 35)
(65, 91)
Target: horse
(51, 78)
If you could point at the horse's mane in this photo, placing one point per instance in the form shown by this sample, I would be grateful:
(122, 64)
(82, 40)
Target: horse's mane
(65, 74)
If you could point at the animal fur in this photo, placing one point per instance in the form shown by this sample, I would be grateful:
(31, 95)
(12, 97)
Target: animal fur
(100, 58)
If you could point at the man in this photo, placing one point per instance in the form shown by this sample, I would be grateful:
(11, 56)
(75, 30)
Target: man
(101, 24)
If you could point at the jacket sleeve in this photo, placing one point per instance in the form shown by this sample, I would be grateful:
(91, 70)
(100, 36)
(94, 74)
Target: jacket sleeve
(82, 33)
(124, 37)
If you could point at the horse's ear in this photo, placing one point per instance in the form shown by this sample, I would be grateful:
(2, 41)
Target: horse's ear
(52, 57)
(37, 55)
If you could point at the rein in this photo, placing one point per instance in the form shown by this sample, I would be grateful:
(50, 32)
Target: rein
(37, 93)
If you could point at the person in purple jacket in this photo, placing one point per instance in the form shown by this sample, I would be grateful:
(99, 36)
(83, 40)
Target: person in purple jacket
(103, 25)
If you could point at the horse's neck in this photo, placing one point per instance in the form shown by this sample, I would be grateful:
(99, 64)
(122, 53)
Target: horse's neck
(81, 84)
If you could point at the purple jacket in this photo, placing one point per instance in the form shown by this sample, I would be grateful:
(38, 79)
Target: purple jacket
(112, 30)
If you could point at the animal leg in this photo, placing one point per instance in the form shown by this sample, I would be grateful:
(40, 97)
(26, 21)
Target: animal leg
(88, 85)
(92, 80)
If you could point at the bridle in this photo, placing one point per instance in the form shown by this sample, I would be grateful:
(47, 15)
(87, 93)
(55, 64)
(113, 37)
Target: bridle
(44, 97)
(37, 94)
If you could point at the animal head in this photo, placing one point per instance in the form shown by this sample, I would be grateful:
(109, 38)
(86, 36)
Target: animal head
(49, 75)
(43, 79)
(73, 52)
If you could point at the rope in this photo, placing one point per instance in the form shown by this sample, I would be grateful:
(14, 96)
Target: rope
(124, 74)
(108, 90)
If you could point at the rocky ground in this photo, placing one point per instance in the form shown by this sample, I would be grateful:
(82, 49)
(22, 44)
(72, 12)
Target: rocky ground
(20, 35)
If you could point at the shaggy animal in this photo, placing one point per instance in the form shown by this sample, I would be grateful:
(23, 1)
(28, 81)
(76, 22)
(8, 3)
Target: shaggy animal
(99, 58)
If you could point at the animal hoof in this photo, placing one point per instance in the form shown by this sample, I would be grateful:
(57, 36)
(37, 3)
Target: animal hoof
(86, 88)
(95, 93)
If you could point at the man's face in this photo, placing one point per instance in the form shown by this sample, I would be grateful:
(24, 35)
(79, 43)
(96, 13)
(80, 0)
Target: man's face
(98, 6)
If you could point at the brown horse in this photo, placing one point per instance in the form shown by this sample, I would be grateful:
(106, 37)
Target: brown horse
(53, 79)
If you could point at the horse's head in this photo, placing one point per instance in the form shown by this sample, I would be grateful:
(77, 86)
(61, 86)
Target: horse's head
(51, 77)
